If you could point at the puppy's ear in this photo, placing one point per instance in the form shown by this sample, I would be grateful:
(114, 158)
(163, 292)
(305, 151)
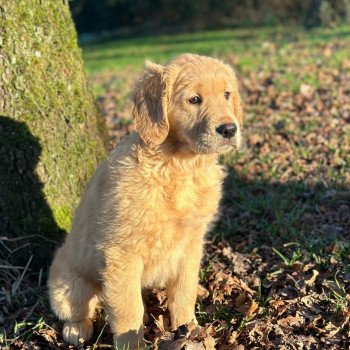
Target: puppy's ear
(150, 109)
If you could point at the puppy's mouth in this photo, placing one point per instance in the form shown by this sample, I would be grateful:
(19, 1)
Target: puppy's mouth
(228, 145)
(208, 143)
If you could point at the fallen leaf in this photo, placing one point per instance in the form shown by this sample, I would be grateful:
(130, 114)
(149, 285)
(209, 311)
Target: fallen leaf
(306, 90)
(202, 293)
(209, 343)
(312, 280)
(331, 330)
(291, 321)
(252, 308)
(233, 337)
(190, 345)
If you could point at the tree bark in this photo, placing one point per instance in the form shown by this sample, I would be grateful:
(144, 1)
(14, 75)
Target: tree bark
(51, 135)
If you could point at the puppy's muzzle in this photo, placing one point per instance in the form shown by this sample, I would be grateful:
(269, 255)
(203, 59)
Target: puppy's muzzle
(227, 130)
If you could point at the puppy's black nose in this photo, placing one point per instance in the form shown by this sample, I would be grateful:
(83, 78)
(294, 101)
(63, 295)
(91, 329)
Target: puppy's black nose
(227, 130)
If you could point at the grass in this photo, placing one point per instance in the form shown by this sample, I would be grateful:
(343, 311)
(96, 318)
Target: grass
(249, 44)
(286, 205)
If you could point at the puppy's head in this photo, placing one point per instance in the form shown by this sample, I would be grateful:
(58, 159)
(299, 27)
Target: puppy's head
(193, 104)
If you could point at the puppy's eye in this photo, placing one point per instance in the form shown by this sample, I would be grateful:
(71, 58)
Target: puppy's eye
(227, 95)
(196, 100)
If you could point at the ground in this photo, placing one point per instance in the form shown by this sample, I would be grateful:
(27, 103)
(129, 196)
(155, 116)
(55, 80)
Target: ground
(276, 266)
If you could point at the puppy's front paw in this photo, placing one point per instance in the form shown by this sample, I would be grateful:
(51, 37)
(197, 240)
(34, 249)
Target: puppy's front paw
(73, 331)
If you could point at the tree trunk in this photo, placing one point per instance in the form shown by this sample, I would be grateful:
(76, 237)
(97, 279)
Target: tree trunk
(50, 131)
(313, 18)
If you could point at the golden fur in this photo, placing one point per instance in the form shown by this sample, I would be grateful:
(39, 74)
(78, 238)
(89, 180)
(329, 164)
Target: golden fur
(144, 214)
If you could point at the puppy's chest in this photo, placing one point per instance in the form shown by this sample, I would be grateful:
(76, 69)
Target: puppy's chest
(190, 198)
(177, 220)
(162, 261)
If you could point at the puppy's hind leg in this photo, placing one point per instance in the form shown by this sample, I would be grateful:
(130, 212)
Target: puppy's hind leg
(73, 299)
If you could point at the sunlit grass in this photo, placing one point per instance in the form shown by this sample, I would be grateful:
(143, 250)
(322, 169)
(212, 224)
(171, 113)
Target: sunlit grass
(248, 44)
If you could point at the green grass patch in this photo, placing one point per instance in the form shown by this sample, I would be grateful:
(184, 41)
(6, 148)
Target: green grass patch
(250, 45)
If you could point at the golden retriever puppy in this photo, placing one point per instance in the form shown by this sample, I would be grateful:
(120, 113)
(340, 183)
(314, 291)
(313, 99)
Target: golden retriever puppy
(142, 220)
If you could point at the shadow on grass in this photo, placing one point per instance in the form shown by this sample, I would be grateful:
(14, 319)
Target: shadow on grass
(258, 212)
(27, 226)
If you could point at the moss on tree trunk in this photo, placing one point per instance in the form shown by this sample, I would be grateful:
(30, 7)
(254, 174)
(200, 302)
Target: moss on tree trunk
(50, 131)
